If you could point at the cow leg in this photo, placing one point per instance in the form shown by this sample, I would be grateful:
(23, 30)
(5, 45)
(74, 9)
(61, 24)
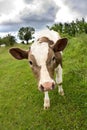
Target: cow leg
(59, 79)
(46, 101)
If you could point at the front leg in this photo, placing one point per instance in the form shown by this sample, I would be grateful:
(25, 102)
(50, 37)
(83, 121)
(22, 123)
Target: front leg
(59, 79)
(60, 89)
(46, 101)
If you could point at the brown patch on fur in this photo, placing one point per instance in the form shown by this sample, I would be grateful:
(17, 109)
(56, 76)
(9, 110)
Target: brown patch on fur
(53, 60)
(34, 66)
(58, 58)
(45, 39)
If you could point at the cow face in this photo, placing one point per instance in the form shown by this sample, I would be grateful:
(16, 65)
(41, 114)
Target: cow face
(43, 60)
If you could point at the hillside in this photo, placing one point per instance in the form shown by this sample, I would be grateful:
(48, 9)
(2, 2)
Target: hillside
(21, 104)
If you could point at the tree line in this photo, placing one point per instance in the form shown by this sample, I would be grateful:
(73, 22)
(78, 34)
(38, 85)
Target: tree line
(72, 29)
(26, 33)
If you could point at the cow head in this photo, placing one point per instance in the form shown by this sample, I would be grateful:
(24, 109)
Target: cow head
(43, 60)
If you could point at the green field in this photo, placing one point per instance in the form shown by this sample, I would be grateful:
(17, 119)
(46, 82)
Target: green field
(21, 104)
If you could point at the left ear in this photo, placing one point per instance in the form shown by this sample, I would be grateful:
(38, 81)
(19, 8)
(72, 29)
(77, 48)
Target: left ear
(18, 53)
(60, 45)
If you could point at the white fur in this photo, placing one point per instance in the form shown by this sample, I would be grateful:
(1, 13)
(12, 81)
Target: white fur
(40, 51)
(45, 77)
(52, 35)
(59, 79)
(46, 101)
(58, 74)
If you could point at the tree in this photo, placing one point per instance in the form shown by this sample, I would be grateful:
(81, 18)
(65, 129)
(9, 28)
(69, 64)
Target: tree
(8, 40)
(57, 27)
(25, 33)
(0, 41)
(85, 27)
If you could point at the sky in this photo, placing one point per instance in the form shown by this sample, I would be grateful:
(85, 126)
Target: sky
(15, 14)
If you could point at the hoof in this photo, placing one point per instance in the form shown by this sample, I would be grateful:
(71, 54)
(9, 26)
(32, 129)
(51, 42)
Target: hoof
(61, 93)
(46, 107)
(46, 104)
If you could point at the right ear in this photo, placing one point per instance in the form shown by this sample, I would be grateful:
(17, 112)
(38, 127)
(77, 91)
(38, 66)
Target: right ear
(60, 45)
(18, 53)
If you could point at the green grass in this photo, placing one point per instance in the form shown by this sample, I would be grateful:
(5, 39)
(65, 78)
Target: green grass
(21, 104)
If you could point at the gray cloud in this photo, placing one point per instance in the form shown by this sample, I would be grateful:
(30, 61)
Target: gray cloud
(80, 6)
(43, 14)
(28, 1)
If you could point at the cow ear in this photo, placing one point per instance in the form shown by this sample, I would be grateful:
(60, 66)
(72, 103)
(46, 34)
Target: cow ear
(60, 45)
(18, 53)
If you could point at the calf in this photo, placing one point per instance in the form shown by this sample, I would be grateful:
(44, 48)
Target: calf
(45, 58)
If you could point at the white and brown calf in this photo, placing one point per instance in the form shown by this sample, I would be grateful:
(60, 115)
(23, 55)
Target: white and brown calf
(45, 58)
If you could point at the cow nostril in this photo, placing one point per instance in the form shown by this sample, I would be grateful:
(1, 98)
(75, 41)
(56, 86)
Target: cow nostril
(42, 88)
(53, 86)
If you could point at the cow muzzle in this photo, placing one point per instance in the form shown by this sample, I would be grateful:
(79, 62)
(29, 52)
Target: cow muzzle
(47, 86)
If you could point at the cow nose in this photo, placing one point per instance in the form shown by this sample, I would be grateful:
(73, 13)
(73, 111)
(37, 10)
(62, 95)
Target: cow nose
(47, 86)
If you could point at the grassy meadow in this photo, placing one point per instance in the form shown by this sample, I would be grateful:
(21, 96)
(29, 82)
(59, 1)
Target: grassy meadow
(21, 104)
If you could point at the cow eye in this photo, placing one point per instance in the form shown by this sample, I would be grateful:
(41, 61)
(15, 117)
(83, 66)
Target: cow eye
(53, 59)
(30, 62)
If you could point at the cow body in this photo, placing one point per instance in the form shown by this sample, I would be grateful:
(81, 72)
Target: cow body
(45, 58)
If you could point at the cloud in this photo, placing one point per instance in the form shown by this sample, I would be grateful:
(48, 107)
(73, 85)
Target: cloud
(42, 13)
(9, 11)
(79, 6)
(71, 10)
(37, 13)
(4, 6)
